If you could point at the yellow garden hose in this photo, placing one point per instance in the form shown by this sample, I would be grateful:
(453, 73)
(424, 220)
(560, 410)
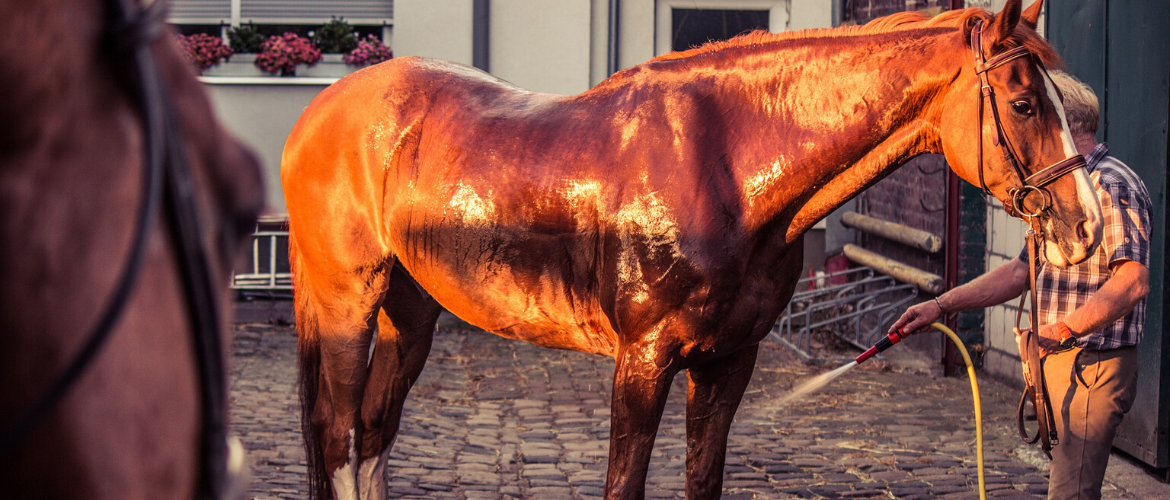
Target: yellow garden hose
(978, 408)
(897, 336)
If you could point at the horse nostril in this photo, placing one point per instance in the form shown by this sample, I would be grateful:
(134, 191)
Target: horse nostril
(1083, 233)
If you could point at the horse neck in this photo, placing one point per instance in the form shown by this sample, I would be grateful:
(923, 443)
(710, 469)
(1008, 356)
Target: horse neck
(819, 120)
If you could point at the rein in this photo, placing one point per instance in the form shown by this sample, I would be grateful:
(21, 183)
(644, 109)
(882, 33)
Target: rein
(1036, 389)
(166, 177)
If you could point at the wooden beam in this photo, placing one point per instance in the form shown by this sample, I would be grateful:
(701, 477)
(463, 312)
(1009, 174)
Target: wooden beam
(905, 235)
(927, 282)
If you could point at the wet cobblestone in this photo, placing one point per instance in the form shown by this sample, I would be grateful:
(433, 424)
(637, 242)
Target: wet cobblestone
(492, 418)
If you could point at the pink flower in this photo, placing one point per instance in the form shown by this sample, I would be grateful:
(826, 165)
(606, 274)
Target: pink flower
(370, 50)
(204, 51)
(283, 53)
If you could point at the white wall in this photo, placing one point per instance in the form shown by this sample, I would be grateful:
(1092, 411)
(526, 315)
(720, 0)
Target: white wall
(541, 45)
(433, 28)
(1005, 239)
(262, 116)
(808, 14)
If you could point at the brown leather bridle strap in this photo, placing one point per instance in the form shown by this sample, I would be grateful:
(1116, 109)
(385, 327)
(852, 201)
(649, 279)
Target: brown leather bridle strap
(1046, 176)
(1027, 183)
(999, 59)
(1035, 386)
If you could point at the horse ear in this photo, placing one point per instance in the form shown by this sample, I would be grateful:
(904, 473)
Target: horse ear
(1031, 15)
(1005, 21)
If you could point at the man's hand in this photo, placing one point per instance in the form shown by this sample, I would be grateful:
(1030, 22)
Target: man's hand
(917, 317)
(1048, 339)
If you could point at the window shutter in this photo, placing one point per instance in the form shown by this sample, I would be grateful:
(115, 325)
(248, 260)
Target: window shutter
(316, 12)
(200, 11)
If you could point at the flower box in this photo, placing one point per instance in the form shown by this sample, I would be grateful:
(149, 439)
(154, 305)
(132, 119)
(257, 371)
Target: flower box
(244, 65)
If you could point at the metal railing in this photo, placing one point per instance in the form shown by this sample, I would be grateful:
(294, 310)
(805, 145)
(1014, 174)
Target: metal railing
(854, 311)
(266, 270)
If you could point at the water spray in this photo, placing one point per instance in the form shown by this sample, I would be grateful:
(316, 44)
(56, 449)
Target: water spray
(823, 379)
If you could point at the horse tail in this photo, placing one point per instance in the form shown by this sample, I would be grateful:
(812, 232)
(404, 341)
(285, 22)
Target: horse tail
(309, 373)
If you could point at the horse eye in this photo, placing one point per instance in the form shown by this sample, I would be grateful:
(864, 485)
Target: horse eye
(1022, 108)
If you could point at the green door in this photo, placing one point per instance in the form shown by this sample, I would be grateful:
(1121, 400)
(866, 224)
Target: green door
(1122, 49)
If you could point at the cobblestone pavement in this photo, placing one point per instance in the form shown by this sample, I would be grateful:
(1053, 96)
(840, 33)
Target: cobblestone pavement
(493, 418)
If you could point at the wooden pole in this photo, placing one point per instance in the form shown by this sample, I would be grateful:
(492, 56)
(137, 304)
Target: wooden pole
(927, 282)
(905, 235)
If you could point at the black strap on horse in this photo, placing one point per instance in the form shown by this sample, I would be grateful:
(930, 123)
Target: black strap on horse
(1035, 386)
(165, 178)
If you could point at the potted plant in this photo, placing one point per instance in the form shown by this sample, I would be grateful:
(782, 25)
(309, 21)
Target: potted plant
(335, 37)
(204, 51)
(284, 52)
(369, 50)
(246, 39)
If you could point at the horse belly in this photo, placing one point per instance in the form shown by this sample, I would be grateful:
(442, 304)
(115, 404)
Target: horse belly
(525, 287)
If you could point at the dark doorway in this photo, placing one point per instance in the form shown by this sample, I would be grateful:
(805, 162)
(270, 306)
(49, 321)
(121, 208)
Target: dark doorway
(694, 27)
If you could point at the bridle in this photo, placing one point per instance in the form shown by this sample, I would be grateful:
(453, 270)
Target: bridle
(166, 178)
(1036, 388)
(1028, 184)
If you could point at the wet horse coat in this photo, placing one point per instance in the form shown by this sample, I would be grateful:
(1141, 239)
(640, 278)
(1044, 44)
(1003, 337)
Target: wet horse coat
(656, 218)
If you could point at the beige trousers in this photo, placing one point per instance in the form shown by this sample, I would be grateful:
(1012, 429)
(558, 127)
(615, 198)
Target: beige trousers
(1090, 392)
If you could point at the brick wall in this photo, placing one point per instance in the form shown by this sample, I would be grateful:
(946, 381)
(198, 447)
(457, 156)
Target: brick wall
(915, 195)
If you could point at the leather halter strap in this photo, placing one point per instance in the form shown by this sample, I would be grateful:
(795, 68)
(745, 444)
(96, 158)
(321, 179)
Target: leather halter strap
(1027, 183)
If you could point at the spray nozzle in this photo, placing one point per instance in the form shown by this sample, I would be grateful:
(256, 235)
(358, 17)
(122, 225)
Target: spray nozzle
(881, 345)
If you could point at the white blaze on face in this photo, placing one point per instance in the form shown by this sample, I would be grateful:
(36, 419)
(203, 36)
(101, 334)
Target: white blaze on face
(1085, 191)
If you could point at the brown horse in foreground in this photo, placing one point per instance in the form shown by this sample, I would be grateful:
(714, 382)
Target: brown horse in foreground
(71, 194)
(656, 218)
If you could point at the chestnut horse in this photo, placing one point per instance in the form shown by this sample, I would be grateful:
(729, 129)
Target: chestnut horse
(90, 91)
(656, 218)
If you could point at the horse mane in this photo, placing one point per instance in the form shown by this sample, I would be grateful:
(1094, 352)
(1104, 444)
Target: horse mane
(899, 22)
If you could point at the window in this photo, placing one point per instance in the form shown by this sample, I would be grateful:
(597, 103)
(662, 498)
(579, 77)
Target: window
(274, 17)
(694, 27)
(863, 11)
(308, 12)
(682, 24)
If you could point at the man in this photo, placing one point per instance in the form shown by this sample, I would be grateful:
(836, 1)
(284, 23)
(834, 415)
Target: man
(1091, 315)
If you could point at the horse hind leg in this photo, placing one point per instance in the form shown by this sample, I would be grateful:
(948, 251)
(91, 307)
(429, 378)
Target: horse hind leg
(712, 399)
(406, 325)
(335, 324)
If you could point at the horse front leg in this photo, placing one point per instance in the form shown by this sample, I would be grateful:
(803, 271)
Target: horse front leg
(641, 382)
(715, 391)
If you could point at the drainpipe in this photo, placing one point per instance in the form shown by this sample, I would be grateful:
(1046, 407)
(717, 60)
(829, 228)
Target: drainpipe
(950, 355)
(480, 34)
(951, 276)
(612, 64)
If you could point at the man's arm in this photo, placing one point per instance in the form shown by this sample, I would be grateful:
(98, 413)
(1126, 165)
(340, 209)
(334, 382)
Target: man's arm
(1128, 284)
(995, 287)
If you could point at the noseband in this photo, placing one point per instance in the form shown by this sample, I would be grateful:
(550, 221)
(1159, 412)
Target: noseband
(1028, 184)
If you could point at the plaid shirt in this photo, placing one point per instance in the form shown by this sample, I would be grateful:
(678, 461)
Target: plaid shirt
(1126, 207)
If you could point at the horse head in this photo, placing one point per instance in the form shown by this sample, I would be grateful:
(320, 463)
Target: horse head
(1022, 152)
